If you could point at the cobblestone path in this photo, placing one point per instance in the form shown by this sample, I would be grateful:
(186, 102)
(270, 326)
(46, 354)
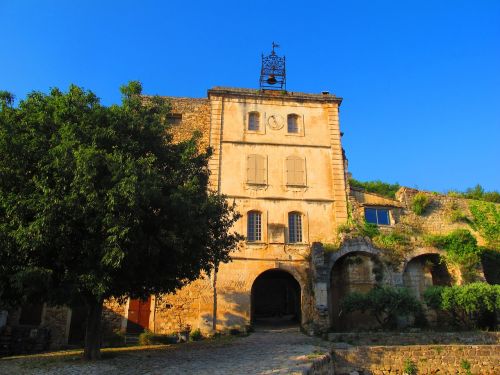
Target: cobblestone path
(279, 351)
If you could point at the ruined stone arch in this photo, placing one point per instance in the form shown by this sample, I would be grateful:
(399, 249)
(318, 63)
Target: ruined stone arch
(424, 267)
(355, 267)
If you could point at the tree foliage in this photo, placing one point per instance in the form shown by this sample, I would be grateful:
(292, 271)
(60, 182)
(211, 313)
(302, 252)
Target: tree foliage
(377, 187)
(384, 303)
(478, 193)
(98, 202)
(470, 305)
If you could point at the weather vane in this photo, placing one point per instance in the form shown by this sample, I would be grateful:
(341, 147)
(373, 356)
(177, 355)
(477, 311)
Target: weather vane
(272, 72)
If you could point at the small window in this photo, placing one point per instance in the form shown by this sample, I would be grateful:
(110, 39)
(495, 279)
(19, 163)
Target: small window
(254, 226)
(256, 169)
(293, 123)
(174, 119)
(295, 171)
(253, 121)
(379, 216)
(294, 227)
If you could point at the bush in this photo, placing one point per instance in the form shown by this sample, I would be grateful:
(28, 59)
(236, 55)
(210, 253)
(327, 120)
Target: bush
(461, 250)
(385, 304)
(410, 368)
(150, 338)
(419, 203)
(378, 187)
(196, 335)
(486, 221)
(470, 305)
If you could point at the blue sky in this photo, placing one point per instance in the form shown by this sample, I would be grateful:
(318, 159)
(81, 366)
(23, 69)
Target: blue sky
(420, 79)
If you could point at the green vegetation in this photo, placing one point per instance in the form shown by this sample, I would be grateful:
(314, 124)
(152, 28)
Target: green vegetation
(384, 303)
(378, 187)
(477, 193)
(410, 368)
(196, 335)
(150, 338)
(419, 203)
(486, 221)
(461, 250)
(465, 365)
(471, 305)
(98, 202)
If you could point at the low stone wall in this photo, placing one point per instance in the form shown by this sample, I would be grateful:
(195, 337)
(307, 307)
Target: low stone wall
(429, 359)
(320, 366)
(415, 338)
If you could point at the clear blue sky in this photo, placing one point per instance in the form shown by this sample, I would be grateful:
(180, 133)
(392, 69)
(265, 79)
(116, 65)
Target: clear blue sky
(420, 79)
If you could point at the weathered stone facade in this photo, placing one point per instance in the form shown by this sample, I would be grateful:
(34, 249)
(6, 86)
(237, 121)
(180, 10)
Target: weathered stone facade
(285, 166)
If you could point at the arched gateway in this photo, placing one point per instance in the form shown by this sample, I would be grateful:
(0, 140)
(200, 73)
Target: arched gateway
(276, 297)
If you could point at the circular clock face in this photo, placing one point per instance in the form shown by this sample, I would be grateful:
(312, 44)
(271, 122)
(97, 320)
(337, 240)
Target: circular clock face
(275, 122)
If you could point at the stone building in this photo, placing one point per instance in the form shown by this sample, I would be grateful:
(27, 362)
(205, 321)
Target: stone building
(278, 155)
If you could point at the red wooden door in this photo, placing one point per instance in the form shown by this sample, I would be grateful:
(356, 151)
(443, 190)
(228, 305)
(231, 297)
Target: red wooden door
(138, 315)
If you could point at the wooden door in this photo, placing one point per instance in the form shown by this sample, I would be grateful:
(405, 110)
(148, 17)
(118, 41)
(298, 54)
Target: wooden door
(138, 315)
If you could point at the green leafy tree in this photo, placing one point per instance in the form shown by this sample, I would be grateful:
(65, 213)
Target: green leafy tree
(385, 303)
(98, 202)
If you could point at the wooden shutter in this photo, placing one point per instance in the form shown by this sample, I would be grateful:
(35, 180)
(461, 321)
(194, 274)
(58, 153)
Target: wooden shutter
(256, 169)
(295, 171)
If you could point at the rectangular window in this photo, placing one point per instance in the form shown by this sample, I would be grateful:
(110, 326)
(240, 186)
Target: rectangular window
(253, 121)
(174, 119)
(294, 227)
(293, 123)
(379, 216)
(254, 227)
(256, 169)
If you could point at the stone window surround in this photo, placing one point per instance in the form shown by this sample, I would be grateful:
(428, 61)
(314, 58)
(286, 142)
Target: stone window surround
(379, 207)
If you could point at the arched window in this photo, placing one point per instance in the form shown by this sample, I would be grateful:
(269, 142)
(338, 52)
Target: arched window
(294, 227)
(253, 121)
(293, 123)
(254, 226)
(295, 171)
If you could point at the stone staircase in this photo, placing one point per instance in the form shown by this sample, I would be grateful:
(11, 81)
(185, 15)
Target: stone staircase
(132, 339)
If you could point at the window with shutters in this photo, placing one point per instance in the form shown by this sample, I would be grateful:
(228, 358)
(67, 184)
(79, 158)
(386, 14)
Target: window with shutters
(254, 226)
(294, 227)
(254, 121)
(256, 169)
(293, 123)
(295, 171)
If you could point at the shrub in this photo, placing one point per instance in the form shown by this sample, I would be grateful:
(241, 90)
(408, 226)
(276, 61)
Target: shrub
(461, 250)
(150, 338)
(470, 305)
(368, 229)
(378, 187)
(410, 368)
(456, 215)
(385, 303)
(486, 221)
(196, 335)
(419, 203)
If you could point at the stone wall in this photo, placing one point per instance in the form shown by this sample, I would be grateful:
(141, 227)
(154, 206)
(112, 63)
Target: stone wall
(56, 319)
(415, 338)
(195, 117)
(320, 366)
(438, 359)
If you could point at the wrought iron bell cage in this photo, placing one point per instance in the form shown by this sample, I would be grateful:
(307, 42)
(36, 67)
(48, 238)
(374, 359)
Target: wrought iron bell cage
(273, 72)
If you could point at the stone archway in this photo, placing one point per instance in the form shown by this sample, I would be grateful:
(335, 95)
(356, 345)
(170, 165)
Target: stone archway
(423, 271)
(353, 272)
(276, 299)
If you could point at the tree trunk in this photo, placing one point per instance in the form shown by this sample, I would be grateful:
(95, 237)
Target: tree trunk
(214, 316)
(92, 349)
